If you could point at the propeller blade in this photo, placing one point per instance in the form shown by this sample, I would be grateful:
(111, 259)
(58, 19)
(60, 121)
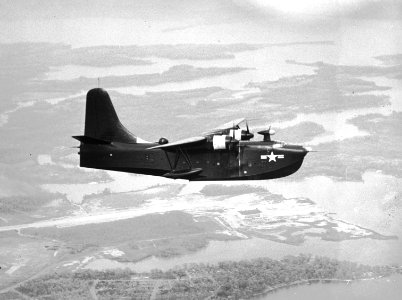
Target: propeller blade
(233, 132)
(245, 134)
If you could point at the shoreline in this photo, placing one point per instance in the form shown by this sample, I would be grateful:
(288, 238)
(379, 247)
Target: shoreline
(312, 281)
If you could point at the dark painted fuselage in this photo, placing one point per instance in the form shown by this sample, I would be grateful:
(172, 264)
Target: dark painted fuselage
(226, 153)
(247, 161)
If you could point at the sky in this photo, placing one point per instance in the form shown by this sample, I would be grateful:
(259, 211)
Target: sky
(177, 21)
(204, 9)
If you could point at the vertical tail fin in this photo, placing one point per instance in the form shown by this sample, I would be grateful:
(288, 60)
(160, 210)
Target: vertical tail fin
(101, 121)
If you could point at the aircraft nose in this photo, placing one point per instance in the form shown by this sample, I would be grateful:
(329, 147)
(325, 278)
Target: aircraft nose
(308, 149)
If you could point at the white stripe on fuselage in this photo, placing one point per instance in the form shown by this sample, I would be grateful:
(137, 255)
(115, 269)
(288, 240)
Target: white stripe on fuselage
(272, 156)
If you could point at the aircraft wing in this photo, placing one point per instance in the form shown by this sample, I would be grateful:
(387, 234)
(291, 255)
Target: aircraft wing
(184, 142)
(229, 125)
(192, 140)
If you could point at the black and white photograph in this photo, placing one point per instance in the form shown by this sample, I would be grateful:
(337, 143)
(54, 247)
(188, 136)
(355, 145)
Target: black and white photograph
(209, 149)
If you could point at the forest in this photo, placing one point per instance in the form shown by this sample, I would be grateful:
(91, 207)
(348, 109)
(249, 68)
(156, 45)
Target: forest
(231, 279)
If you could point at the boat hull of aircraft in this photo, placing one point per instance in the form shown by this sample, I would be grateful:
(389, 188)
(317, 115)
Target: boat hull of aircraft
(246, 164)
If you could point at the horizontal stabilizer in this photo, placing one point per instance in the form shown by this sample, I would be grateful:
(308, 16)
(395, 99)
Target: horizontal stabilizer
(90, 140)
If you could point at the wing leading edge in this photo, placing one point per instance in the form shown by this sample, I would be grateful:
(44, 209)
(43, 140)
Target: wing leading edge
(184, 142)
(193, 140)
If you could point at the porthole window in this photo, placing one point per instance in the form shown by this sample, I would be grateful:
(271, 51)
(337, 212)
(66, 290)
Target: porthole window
(148, 157)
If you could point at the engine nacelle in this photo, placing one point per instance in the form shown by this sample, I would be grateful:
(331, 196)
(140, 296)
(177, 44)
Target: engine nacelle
(241, 135)
(221, 142)
(267, 134)
(236, 134)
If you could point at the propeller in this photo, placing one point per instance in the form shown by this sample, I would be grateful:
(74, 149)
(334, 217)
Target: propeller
(233, 131)
(246, 134)
(233, 140)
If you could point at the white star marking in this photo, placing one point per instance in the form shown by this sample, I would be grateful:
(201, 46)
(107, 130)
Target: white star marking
(272, 156)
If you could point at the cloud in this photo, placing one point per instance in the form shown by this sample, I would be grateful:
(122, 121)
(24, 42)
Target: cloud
(326, 8)
(146, 10)
(307, 6)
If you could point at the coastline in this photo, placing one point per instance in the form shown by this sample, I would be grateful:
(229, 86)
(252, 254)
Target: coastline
(312, 281)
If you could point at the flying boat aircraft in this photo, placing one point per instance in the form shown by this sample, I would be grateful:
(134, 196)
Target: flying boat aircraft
(224, 153)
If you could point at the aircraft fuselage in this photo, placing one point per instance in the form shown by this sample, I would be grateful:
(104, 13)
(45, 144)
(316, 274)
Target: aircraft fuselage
(248, 161)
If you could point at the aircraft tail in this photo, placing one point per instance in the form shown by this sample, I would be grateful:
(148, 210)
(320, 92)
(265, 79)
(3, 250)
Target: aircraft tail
(101, 121)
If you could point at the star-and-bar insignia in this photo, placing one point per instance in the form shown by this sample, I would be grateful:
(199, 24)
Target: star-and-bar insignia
(272, 156)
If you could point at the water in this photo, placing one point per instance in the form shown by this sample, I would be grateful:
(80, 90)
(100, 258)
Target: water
(365, 251)
(121, 182)
(336, 201)
(371, 203)
(389, 288)
(379, 37)
(337, 125)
